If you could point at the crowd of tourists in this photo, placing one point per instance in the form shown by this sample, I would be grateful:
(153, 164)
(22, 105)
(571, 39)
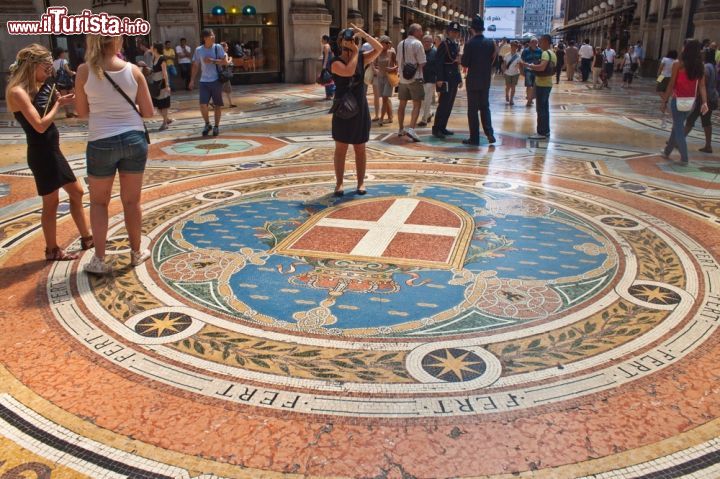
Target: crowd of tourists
(425, 71)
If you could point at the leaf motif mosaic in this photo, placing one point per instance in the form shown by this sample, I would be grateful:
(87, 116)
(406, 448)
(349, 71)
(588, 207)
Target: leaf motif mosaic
(121, 293)
(294, 360)
(656, 260)
(603, 331)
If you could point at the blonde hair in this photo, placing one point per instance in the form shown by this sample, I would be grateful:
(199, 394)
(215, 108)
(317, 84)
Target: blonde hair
(22, 72)
(97, 47)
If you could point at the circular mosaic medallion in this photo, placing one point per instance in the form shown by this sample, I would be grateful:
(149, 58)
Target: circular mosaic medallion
(419, 288)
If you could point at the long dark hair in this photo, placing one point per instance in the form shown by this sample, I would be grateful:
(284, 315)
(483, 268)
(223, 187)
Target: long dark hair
(692, 60)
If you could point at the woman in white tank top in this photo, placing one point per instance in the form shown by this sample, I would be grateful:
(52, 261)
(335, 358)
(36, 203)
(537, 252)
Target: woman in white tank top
(116, 140)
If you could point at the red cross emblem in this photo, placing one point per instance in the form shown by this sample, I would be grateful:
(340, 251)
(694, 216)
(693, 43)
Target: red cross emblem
(405, 231)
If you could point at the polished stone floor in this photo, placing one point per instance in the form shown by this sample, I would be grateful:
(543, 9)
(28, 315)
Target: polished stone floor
(526, 309)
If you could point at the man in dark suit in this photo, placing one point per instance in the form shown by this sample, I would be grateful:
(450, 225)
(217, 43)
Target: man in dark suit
(478, 57)
(447, 65)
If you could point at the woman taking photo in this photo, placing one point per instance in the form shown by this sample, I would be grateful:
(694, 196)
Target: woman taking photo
(161, 80)
(686, 82)
(27, 97)
(107, 90)
(348, 71)
(385, 63)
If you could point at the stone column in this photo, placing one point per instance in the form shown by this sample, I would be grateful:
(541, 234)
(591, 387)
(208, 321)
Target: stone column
(377, 18)
(707, 19)
(308, 21)
(397, 25)
(11, 44)
(176, 19)
(353, 14)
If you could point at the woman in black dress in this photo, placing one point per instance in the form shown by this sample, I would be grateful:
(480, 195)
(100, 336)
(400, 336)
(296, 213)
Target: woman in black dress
(160, 77)
(348, 71)
(28, 96)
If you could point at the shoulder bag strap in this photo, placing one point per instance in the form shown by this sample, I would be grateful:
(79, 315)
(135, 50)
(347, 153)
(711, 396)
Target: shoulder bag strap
(124, 95)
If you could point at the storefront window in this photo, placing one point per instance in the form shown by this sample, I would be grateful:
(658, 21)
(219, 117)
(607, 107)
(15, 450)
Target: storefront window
(251, 29)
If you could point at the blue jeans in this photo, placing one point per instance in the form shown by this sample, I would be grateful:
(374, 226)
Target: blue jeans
(677, 136)
(542, 106)
(330, 90)
(126, 153)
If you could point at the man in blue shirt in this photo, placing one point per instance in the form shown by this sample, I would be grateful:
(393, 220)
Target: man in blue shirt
(478, 57)
(530, 56)
(209, 57)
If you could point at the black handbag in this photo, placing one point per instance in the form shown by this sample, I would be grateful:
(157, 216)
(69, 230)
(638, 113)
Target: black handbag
(155, 88)
(132, 103)
(225, 74)
(409, 69)
(346, 107)
(325, 77)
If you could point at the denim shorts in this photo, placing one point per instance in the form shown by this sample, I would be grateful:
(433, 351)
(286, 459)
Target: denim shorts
(126, 153)
(211, 89)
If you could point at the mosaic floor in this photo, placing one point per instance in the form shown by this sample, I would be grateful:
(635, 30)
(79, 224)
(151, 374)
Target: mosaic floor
(527, 309)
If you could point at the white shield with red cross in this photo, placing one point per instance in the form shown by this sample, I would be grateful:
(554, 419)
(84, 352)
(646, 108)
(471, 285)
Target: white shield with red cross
(404, 231)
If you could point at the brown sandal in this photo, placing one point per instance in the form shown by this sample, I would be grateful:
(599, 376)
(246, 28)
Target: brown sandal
(86, 242)
(59, 254)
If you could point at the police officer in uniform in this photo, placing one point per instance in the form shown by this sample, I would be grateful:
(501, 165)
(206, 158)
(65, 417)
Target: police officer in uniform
(478, 57)
(447, 64)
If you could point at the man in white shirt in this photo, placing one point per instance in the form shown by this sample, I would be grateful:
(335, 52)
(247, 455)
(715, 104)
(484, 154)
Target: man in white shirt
(609, 66)
(586, 55)
(411, 52)
(183, 53)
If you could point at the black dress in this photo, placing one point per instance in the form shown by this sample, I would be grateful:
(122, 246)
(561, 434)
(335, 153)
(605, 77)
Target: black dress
(356, 130)
(162, 101)
(47, 163)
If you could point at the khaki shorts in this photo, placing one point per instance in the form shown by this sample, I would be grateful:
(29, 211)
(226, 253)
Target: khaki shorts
(411, 91)
(510, 80)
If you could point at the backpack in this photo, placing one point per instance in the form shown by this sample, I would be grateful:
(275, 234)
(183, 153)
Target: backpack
(63, 80)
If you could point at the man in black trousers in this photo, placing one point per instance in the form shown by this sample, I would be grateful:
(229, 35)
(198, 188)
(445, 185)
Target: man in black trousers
(478, 57)
(447, 65)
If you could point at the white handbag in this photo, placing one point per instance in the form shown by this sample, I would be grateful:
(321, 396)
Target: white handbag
(687, 103)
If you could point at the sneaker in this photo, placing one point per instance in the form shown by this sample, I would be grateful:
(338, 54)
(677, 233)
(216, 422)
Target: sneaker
(206, 130)
(537, 137)
(216, 130)
(664, 155)
(401, 132)
(97, 266)
(139, 257)
(413, 136)
(163, 127)
(447, 132)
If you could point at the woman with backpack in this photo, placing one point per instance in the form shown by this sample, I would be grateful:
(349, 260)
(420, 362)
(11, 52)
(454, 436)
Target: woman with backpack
(686, 83)
(64, 77)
